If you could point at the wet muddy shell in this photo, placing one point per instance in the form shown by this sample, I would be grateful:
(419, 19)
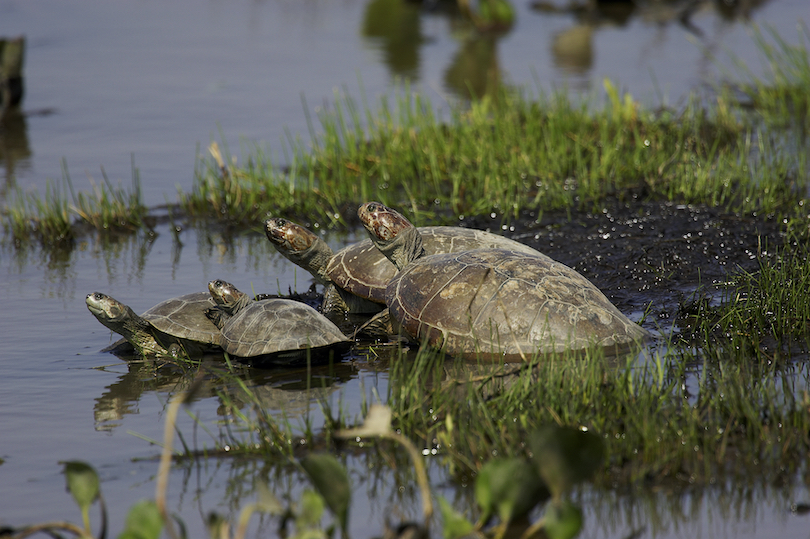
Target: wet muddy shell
(501, 302)
(364, 271)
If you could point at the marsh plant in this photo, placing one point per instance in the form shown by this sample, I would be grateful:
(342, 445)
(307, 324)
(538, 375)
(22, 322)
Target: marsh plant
(58, 217)
(742, 149)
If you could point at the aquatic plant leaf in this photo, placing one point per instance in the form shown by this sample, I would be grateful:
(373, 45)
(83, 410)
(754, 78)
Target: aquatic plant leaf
(562, 520)
(331, 481)
(143, 521)
(508, 487)
(82, 482)
(564, 456)
(455, 525)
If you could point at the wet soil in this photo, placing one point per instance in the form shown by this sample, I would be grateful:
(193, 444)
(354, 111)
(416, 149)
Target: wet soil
(650, 256)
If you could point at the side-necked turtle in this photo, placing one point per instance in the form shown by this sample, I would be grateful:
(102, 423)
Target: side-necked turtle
(356, 276)
(272, 331)
(492, 301)
(228, 301)
(176, 324)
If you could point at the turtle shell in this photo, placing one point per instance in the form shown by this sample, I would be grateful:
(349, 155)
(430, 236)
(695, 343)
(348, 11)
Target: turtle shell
(283, 327)
(364, 271)
(184, 317)
(496, 302)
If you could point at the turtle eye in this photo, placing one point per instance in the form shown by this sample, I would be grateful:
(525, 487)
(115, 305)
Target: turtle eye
(218, 283)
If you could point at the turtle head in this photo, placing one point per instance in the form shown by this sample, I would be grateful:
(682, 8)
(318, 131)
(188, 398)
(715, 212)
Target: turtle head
(107, 309)
(300, 246)
(392, 233)
(224, 293)
(288, 237)
(382, 222)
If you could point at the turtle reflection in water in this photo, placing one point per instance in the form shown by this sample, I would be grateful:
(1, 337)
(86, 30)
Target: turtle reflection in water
(272, 331)
(169, 328)
(491, 302)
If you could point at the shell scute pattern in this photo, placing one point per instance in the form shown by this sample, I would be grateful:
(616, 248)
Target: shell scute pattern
(476, 301)
(364, 271)
(184, 317)
(277, 325)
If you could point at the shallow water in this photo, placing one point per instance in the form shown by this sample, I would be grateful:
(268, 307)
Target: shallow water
(108, 80)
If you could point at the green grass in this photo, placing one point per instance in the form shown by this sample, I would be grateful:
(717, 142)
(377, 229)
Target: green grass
(501, 154)
(63, 213)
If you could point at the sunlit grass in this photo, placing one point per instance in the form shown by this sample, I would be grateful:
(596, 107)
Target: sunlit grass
(108, 207)
(56, 217)
(505, 155)
(47, 218)
(501, 154)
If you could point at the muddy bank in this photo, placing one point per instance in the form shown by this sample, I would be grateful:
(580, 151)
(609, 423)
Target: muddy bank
(648, 256)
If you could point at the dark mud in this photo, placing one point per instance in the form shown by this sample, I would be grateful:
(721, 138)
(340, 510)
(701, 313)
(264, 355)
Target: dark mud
(650, 256)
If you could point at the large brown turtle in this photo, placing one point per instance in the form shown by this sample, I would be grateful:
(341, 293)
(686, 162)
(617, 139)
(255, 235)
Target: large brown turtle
(167, 328)
(356, 276)
(272, 331)
(491, 302)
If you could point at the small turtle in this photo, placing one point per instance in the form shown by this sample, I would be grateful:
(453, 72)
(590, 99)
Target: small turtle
(492, 302)
(168, 327)
(357, 275)
(228, 300)
(272, 331)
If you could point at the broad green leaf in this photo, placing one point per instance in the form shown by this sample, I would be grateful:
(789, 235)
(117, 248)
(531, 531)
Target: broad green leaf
(82, 483)
(563, 520)
(564, 456)
(454, 525)
(508, 487)
(143, 521)
(331, 481)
